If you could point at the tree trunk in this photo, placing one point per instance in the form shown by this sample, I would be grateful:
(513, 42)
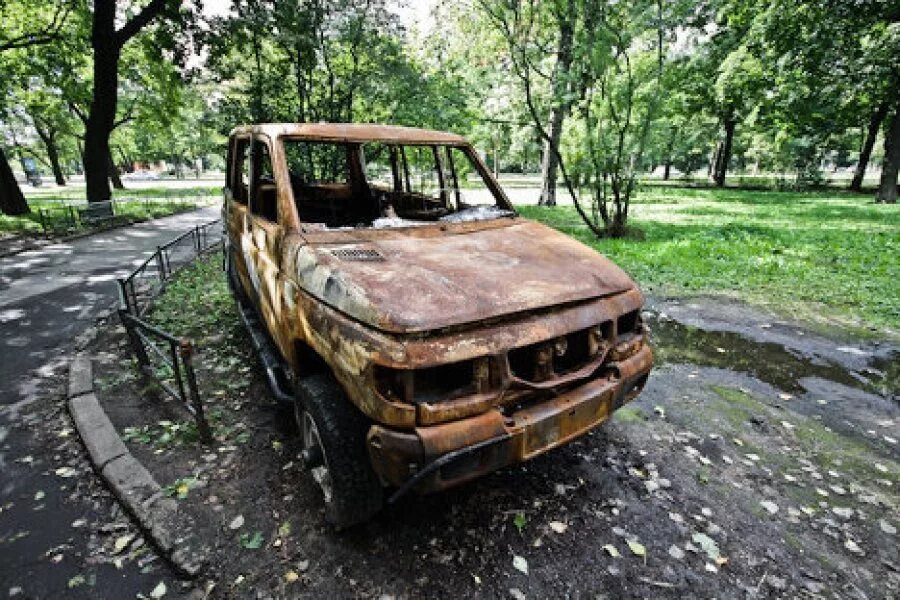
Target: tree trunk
(549, 164)
(102, 113)
(667, 171)
(887, 188)
(866, 151)
(560, 87)
(114, 175)
(53, 157)
(713, 161)
(12, 201)
(723, 157)
(48, 137)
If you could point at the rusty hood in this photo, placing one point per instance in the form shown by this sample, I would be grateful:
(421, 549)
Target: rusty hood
(422, 279)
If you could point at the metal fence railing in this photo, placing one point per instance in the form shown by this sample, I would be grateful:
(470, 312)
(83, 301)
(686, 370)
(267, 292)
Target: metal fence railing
(64, 216)
(163, 357)
(138, 290)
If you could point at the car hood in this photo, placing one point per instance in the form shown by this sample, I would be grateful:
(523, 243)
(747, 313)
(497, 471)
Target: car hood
(422, 279)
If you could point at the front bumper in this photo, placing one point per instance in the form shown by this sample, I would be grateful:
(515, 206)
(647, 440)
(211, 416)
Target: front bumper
(437, 457)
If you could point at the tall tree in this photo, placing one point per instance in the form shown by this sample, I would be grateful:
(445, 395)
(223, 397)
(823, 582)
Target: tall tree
(107, 42)
(564, 17)
(23, 24)
(890, 167)
(619, 57)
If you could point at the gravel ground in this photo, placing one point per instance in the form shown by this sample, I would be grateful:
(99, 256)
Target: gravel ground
(761, 461)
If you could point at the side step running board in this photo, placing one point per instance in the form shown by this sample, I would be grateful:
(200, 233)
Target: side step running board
(276, 371)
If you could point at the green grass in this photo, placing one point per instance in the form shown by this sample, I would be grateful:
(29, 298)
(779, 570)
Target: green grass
(825, 257)
(140, 209)
(197, 300)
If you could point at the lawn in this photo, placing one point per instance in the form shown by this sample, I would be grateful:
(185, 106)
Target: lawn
(828, 258)
(131, 206)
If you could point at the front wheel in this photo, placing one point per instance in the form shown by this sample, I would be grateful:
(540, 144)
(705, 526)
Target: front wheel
(333, 436)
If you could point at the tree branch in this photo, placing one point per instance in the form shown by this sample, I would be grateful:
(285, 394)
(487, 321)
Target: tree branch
(139, 21)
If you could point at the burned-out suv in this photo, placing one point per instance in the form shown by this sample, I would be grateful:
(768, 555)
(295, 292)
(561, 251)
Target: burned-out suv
(426, 333)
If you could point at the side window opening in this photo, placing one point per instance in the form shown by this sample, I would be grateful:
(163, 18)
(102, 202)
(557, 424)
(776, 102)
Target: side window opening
(324, 185)
(240, 171)
(264, 193)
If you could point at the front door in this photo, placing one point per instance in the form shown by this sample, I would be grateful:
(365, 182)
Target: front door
(262, 235)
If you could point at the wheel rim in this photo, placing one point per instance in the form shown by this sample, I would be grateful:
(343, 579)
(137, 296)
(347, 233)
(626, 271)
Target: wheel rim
(313, 443)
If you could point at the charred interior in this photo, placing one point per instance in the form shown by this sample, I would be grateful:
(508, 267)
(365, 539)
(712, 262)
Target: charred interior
(379, 184)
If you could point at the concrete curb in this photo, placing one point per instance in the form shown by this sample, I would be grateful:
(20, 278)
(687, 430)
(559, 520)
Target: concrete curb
(141, 496)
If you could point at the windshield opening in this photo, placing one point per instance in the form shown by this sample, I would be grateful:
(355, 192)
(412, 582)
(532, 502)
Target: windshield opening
(339, 185)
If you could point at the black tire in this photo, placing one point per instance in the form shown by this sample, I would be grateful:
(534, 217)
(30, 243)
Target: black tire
(356, 492)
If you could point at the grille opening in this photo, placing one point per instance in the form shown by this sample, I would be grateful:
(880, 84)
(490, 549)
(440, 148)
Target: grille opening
(628, 323)
(444, 382)
(577, 353)
(522, 361)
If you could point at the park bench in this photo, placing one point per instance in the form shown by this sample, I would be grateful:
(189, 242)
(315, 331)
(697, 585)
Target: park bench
(95, 213)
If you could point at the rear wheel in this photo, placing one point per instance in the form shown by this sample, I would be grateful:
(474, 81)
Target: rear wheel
(333, 436)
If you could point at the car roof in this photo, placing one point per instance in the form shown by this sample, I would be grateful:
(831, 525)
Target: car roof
(352, 132)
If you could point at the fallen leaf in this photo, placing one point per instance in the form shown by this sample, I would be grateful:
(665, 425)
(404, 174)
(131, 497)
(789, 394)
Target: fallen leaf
(520, 564)
(558, 526)
(637, 548)
(122, 543)
(676, 552)
(707, 544)
(611, 550)
(251, 542)
(76, 581)
(853, 547)
(770, 506)
(291, 576)
(843, 512)
(517, 593)
(159, 591)
(519, 521)
(285, 529)
(887, 527)
(181, 490)
(65, 472)
(236, 523)
(39, 495)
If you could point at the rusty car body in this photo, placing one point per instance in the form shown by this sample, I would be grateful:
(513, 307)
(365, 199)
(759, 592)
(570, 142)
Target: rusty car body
(467, 337)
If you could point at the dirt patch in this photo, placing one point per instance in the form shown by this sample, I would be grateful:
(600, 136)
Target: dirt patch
(725, 478)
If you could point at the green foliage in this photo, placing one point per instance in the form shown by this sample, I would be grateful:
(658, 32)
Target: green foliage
(819, 255)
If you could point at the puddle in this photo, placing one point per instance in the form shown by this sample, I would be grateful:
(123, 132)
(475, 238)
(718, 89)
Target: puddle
(773, 363)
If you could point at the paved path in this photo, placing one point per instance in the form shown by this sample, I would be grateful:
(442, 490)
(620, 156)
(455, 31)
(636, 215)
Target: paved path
(47, 297)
